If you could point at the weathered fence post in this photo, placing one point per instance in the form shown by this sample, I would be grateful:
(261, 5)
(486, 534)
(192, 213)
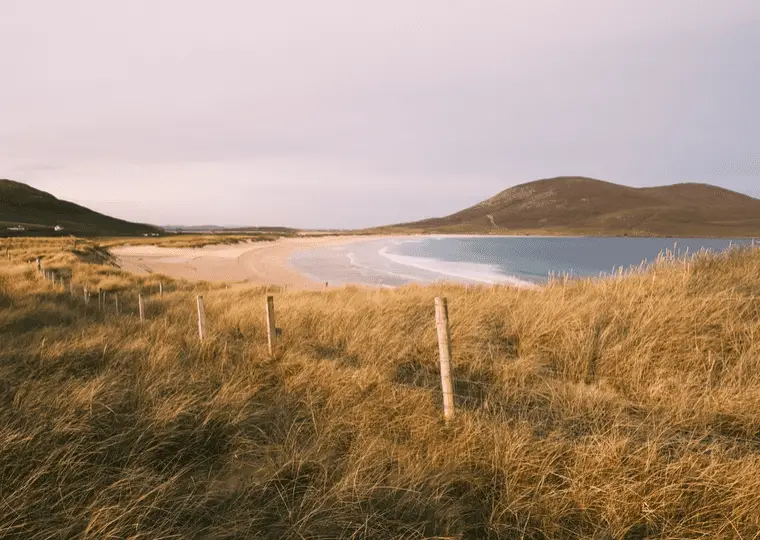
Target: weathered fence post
(444, 349)
(271, 325)
(86, 296)
(201, 318)
(141, 307)
(160, 289)
(116, 302)
(100, 299)
(71, 287)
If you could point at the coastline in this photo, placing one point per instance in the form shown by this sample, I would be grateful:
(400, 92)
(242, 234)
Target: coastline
(257, 263)
(269, 263)
(260, 263)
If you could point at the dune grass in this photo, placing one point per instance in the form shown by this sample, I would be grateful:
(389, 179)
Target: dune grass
(624, 408)
(190, 240)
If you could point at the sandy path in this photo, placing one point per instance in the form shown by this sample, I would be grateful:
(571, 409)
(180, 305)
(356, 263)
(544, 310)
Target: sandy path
(263, 263)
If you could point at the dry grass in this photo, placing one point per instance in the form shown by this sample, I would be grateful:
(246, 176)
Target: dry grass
(627, 408)
(191, 240)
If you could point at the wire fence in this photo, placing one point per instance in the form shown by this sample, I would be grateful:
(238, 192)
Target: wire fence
(453, 391)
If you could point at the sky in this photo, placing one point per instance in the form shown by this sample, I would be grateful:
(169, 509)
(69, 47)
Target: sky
(343, 113)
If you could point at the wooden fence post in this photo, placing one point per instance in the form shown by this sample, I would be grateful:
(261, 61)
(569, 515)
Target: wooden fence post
(201, 318)
(100, 299)
(86, 296)
(71, 288)
(160, 289)
(271, 326)
(444, 349)
(141, 307)
(116, 302)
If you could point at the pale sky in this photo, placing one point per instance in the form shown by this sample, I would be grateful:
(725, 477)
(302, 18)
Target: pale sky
(349, 113)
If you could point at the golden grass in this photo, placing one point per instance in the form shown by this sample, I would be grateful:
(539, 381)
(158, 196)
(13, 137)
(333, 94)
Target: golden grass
(190, 240)
(623, 408)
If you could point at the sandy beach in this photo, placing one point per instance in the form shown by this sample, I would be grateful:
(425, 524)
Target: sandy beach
(264, 263)
(261, 263)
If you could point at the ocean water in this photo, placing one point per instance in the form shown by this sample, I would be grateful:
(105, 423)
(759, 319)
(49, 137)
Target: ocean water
(526, 261)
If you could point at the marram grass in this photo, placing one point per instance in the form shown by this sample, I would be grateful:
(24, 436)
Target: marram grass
(622, 408)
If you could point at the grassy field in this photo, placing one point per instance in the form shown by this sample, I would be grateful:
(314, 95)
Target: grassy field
(189, 240)
(625, 408)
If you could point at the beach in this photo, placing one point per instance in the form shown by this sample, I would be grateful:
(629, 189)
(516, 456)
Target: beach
(265, 263)
(309, 262)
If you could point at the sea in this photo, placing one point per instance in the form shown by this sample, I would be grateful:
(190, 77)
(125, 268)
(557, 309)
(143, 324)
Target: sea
(521, 261)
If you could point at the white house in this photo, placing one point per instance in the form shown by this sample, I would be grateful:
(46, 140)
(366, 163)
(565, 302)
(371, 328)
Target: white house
(58, 228)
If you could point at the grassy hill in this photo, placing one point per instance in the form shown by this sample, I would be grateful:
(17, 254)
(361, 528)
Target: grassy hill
(39, 212)
(626, 408)
(579, 205)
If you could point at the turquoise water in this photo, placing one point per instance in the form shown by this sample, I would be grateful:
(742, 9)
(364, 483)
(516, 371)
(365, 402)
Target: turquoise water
(511, 260)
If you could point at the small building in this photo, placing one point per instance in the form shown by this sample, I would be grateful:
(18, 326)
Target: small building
(58, 228)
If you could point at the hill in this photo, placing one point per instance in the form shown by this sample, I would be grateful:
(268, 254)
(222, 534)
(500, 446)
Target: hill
(237, 229)
(39, 213)
(580, 205)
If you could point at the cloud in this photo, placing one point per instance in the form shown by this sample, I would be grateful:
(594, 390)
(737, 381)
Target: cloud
(340, 113)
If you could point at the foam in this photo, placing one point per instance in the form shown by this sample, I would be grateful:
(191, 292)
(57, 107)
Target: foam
(381, 272)
(474, 272)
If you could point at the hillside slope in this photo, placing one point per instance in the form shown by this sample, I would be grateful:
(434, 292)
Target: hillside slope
(588, 206)
(39, 213)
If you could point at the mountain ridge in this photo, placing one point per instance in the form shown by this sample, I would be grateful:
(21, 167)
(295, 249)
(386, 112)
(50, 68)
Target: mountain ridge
(582, 205)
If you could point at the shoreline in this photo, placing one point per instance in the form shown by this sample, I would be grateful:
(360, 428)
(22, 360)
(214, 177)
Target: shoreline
(255, 263)
(258, 263)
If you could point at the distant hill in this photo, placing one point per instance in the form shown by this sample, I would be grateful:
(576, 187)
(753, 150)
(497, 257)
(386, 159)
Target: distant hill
(25, 210)
(577, 205)
(239, 229)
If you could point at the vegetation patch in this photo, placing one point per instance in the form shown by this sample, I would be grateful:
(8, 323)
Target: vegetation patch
(627, 407)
